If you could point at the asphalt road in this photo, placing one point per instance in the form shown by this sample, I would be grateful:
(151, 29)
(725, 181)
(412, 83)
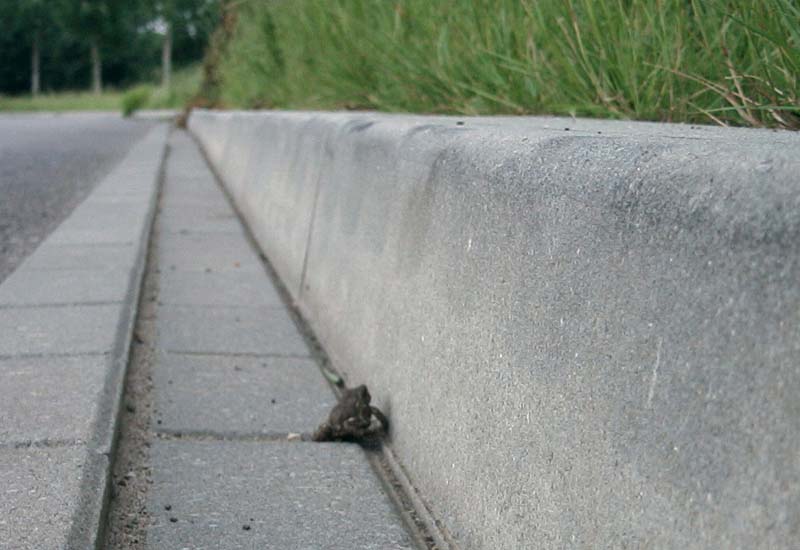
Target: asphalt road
(48, 164)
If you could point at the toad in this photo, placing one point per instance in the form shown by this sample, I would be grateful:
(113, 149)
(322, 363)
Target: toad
(352, 418)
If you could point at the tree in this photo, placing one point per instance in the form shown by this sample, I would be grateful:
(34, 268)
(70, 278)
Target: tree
(32, 17)
(58, 44)
(184, 21)
(99, 21)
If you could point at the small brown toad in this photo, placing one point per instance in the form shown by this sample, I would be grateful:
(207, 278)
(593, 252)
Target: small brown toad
(352, 418)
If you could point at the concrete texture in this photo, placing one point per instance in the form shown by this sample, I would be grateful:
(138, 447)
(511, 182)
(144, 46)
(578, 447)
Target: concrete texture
(103, 223)
(59, 329)
(48, 165)
(54, 399)
(291, 161)
(51, 498)
(207, 251)
(66, 318)
(240, 395)
(84, 257)
(231, 288)
(232, 495)
(595, 325)
(37, 287)
(229, 330)
(185, 222)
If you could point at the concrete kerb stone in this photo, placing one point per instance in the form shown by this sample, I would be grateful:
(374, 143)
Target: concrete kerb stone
(579, 316)
(39, 332)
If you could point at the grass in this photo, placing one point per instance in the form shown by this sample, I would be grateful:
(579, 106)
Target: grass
(184, 86)
(722, 61)
(62, 101)
(185, 83)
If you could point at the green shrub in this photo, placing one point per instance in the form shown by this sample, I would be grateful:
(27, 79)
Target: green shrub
(134, 99)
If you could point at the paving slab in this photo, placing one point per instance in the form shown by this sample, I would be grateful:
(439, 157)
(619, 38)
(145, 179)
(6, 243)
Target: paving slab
(234, 495)
(190, 183)
(59, 329)
(122, 190)
(210, 288)
(184, 222)
(193, 185)
(82, 256)
(188, 166)
(229, 330)
(42, 287)
(214, 251)
(110, 203)
(45, 497)
(93, 223)
(273, 395)
(51, 398)
(200, 202)
(188, 160)
(119, 198)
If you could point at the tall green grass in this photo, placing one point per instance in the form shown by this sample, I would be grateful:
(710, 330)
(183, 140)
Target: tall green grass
(727, 61)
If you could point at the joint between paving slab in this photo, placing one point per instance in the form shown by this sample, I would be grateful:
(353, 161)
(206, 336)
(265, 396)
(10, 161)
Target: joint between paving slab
(90, 244)
(217, 306)
(211, 435)
(237, 354)
(54, 355)
(59, 304)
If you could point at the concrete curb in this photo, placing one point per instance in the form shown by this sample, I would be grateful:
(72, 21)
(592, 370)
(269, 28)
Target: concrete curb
(67, 315)
(586, 333)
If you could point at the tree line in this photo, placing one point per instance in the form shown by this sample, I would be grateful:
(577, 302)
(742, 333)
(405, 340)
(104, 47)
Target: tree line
(50, 45)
